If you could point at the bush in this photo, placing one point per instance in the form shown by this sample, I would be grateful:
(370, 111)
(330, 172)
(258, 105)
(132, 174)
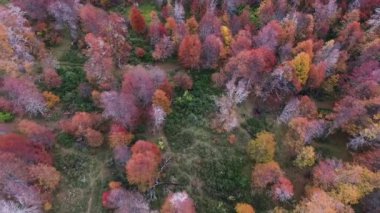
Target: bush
(6, 117)
(255, 125)
(65, 140)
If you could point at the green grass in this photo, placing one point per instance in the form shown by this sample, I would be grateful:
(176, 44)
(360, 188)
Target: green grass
(4, 1)
(215, 173)
(72, 75)
(84, 177)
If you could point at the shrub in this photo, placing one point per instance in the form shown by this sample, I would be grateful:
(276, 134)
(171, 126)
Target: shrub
(6, 117)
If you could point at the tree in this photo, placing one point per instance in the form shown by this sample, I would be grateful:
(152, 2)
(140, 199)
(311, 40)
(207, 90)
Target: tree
(265, 174)
(163, 49)
(51, 78)
(183, 80)
(179, 11)
(156, 29)
(142, 168)
(36, 133)
(244, 208)
(24, 96)
(121, 200)
(209, 24)
(46, 176)
(227, 117)
(118, 135)
(160, 99)
(93, 138)
(189, 51)
(120, 108)
(370, 203)
(178, 202)
(24, 149)
(11, 206)
(137, 20)
(262, 149)
(133, 104)
(306, 157)
(369, 159)
(100, 65)
(79, 123)
(212, 49)
(317, 75)
(111, 28)
(226, 35)
(345, 112)
(251, 65)
(269, 36)
(298, 107)
(192, 25)
(306, 130)
(282, 190)
(51, 99)
(319, 201)
(272, 9)
(351, 36)
(242, 41)
(326, 13)
(325, 173)
(301, 65)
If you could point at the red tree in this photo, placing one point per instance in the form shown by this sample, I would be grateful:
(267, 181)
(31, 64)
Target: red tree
(137, 20)
(142, 168)
(242, 41)
(24, 149)
(36, 133)
(79, 123)
(190, 51)
(351, 36)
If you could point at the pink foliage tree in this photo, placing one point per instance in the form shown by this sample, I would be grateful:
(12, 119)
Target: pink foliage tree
(24, 96)
(99, 66)
(211, 51)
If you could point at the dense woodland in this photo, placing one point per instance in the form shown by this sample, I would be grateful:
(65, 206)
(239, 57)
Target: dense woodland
(184, 106)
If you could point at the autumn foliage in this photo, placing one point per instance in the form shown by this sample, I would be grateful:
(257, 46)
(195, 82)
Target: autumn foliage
(142, 168)
(137, 20)
(189, 51)
(178, 201)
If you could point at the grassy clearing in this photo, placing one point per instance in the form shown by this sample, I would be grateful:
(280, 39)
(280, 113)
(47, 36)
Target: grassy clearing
(215, 173)
(85, 175)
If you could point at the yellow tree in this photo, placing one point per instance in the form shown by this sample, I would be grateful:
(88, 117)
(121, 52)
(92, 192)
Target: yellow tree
(301, 65)
(262, 149)
(306, 157)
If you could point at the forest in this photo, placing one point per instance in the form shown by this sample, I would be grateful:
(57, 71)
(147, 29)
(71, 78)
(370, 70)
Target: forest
(189, 106)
